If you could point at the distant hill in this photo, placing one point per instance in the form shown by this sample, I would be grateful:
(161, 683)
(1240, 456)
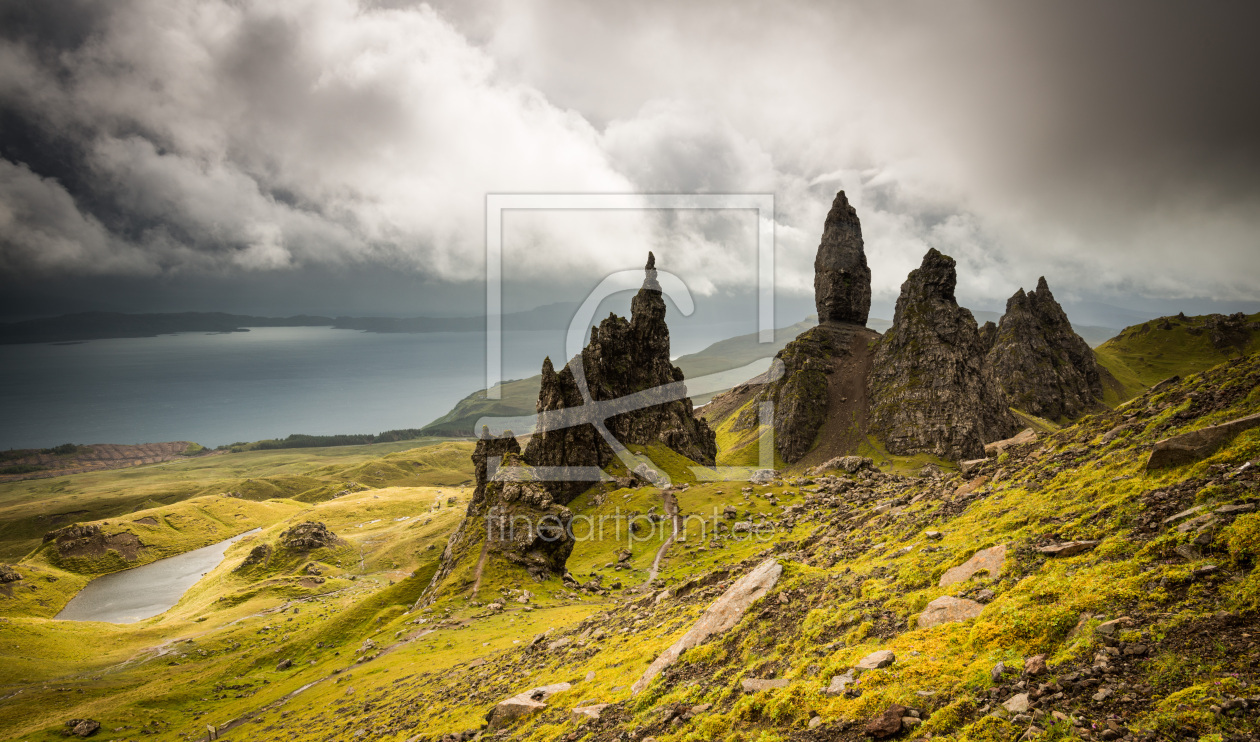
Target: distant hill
(1144, 355)
(106, 325)
(519, 396)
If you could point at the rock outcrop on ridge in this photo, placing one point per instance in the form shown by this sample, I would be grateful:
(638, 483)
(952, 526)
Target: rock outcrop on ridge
(928, 389)
(624, 357)
(1039, 361)
(510, 515)
(819, 361)
(842, 280)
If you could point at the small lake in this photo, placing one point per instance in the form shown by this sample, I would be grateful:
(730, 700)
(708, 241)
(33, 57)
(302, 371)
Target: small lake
(136, 594)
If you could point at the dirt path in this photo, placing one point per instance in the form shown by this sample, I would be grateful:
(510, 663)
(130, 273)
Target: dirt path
(671, 509)
(481, 564)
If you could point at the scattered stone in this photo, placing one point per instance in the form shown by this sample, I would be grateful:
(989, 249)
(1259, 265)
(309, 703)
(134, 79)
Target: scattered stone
(522, 704)
(1067, 548)
(840, 683)
(589, 713)
(1016, 704)
(284, 664)
(815, 722)
(933, 535)
(1035, 665)
(888, 723)
(946, 609)
(764, 476)
(876, 660)
(989, 560)
(752, 685)
(970, 465)
(1109, 628)
(724, 613)
(82, 727)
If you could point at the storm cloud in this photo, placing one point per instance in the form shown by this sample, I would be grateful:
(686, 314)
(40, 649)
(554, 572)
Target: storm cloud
(1113, 147)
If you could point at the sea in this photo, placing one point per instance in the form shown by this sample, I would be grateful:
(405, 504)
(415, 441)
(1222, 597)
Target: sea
(268, 382)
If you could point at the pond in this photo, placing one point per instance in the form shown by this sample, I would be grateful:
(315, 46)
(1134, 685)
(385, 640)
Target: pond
(136, 594)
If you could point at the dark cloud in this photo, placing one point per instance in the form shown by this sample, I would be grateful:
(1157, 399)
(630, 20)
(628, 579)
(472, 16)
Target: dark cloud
(1099, 144)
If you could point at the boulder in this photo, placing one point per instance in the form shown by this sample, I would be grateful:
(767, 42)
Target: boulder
(946, 609)
(1067, 548)
(284, 664)
(989, 560)
(8, 574)
(522, 704)
(764, 476)
(840, 683)
(82, 727)
(1016, 704)
(1027, 435)
(723, 614)
(928, 389)
(876, 660)
(1197, 445)
(888, 723)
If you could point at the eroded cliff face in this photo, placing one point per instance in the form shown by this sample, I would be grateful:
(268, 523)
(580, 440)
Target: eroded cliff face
(1039, 361)
(623, 358)
(928, 389)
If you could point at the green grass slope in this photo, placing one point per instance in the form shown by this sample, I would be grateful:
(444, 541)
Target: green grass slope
(1146, 354)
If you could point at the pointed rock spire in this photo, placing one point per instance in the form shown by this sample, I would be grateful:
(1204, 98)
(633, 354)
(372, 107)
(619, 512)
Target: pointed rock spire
(842, 280)
(1039, 361)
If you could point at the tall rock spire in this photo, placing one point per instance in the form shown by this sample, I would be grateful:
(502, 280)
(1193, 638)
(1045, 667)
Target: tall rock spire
(928, 388)
(842, 280)
(623, 357)
(1039, 361)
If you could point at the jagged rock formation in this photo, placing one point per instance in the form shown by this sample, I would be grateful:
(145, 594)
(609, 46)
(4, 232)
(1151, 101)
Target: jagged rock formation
(928, 390)
(802, 397)
(1042, 365)
(309, 536)
(510, 514)
(988, 336)
(842, 280)
(624, 357)
(1230, 333)
(8, 574)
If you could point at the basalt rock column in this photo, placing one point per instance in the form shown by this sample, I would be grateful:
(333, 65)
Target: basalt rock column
(842, 280)
(928, 388)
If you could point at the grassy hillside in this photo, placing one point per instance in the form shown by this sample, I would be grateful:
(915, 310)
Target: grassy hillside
(29, 509)
(1146, 354)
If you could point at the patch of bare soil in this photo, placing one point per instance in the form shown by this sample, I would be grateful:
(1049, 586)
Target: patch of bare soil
(848, 409)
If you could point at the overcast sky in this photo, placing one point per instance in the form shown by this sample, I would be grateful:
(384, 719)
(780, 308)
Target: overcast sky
(334, 155)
